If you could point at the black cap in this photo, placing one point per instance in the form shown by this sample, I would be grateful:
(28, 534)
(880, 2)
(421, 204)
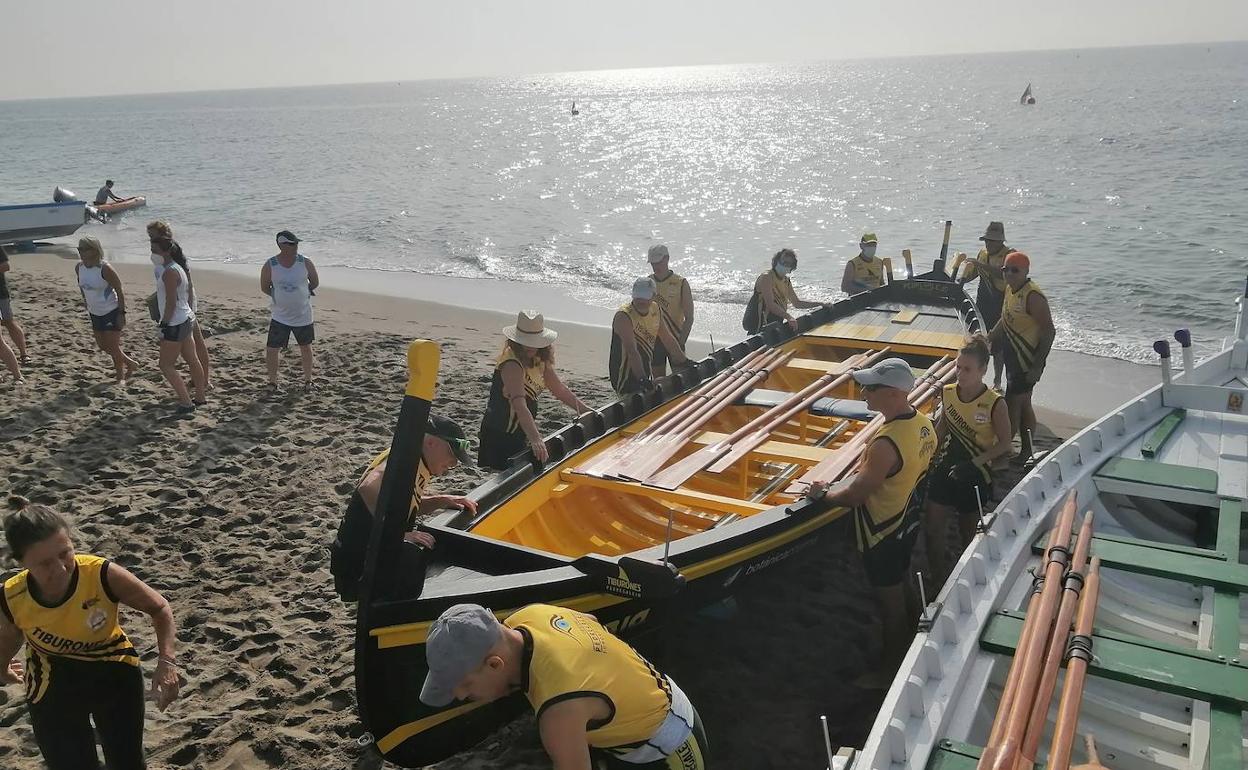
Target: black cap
(449, 431)
(288, 235)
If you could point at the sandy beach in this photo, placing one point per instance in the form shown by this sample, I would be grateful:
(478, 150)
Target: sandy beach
(230, 513)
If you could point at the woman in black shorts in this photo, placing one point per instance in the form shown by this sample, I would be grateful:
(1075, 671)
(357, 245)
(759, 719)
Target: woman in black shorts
(80, 666)
(106, 304)
(161, 230)
(974, 430)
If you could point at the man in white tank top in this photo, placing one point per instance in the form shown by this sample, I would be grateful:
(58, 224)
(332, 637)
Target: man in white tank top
(290, 280)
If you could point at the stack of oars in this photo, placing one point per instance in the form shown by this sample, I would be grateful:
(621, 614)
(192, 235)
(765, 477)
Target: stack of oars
(695, 409)
(723, 453)
(847, 456)
(1019, 724)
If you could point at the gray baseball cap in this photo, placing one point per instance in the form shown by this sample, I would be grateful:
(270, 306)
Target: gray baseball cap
(891, 373)
(457, 645)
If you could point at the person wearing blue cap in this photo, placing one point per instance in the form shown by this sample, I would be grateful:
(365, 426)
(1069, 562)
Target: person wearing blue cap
(595, 696)
(885, 497)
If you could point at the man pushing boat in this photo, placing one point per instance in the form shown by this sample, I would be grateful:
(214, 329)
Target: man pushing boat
(595, 697)
(636, 331)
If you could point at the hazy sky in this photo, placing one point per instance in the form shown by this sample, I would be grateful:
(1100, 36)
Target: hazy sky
(85, 47)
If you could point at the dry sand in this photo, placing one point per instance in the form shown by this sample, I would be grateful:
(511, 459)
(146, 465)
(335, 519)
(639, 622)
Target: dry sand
(229, 514)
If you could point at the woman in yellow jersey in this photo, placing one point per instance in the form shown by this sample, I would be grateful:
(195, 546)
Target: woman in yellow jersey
(635, 332)
(80, 667)
(864, 272)
(773, 294)
(1025, 333)
(595, 697)
(974, 430)
(524, 369)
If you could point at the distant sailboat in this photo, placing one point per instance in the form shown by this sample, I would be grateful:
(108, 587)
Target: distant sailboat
(575, 111)
(1027, 98)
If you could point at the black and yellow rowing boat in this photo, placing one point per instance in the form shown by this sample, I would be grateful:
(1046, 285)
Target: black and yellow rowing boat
(658, 504)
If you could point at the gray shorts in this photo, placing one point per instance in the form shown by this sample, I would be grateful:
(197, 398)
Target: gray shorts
(6, 309)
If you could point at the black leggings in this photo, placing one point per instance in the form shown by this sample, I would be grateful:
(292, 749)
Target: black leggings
(111, 695)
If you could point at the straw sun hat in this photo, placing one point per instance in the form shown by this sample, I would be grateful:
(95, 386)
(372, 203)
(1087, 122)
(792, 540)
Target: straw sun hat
(530, 330)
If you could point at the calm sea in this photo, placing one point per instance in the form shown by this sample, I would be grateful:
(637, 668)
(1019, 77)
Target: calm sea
(1127, 182)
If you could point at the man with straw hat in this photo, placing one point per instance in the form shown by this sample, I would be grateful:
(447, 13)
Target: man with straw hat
(991, 290)
(864, 272)
(675, 302)
(524, 369)
(1025, 334)
(635, 331)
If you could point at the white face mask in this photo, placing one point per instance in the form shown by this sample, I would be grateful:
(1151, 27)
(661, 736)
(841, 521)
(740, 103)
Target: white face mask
(157, 260)
(783, 269)
(868, 250)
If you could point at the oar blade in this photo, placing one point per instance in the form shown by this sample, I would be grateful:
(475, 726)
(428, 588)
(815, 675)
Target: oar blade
(682, 471)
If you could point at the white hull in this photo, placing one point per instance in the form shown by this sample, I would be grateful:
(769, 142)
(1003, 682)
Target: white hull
(949, 685)
(20, 224)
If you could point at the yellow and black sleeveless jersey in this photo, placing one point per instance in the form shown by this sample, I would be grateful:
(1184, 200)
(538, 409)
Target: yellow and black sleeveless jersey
(570, 655)
(1022, 333)
(670, 291)
(423, 476)
(968, 425)
(498, 412)
(645, 333)
(82, 627)
(886, 508)
(997, 260)
(781, 288)
(870, 274)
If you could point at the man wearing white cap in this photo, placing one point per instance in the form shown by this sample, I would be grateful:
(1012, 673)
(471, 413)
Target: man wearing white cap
(885, 496)
(635, 331)
(595, 697)
(675, 302)
(524, 369)
(290, 280)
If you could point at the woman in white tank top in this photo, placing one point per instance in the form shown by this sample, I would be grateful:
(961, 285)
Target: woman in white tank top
(161, 230)
(176, 325)
(106, 305)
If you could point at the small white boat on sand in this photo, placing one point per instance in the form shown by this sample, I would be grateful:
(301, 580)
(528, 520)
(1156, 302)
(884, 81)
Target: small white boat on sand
(26, 223)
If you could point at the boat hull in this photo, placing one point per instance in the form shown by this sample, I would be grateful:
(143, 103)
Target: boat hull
(126, 205)
(31, 222)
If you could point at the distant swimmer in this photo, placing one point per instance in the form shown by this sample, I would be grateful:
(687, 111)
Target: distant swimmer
(106, 195)
(991, 290)
(524, 369)
(105, 299)
(675, 302)
(289, 279)
(635, 332)
(864, 272)
(1026, 333)
(773, 295)
(599, 703)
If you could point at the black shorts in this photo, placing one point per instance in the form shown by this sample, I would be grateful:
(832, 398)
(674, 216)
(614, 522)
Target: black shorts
(660, 357)
(958, 495)
(496, 448)
(109, 322)
(111, 695)
(1016, 382)
(346, 555)
(178, 333)
(888, 561)
(279, 334)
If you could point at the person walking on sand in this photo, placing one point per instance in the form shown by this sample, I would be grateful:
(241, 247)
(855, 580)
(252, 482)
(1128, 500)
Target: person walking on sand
(290, 280)
(80, 666)
(598, 701)
(773, 295)
(636, 330)
(973, 431)
(1025, 334)
(864, 272)
(524, 369)
(444, 447)
(885, 498)
(105, 299)
(675, 301)
(176, 326)
(11, 362)
(990, 292)
(162, 230)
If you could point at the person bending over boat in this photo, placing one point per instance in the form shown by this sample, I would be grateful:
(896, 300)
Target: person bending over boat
(773, 294)
(974, 430)
(161, 230)
(1025, 333)
(105, 299)
(990, 292)
(675, 302)
(11, 362)
(176, 326)
(444, 448)
(524, 369)
(885, 496)
(106, 195)
(80, 667)
(636, 331)
(290, 280)
(864, 272)
(595, 697)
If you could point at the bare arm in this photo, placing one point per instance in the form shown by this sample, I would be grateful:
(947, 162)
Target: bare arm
(114, 280)
(514, 391)
(562, 392)
(1038, 308)
(170, 279)
(133, 592)
(622, 325)
(10, 642)
(314, 279)
(801, 304)
(266, 279)
(1000, 431)
(848, 284)
(674, 348)
(4, 265)
(882, 458)
(686, 304)
(563, 732)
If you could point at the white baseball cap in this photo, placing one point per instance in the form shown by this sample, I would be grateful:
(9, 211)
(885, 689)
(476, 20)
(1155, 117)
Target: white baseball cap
(657, 253)
(643, 288)
(891, 373)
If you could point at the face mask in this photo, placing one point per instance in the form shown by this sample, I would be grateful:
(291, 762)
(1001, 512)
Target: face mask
(868, 250)
(783, 269)
(157, 260)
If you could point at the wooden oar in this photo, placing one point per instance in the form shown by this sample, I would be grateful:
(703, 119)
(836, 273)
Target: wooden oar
(1006, 755)
(657, 454)
(1094, 759)
(704, 393)
(1076, 672)
(944, 245)
(905, 254)
(768, 421)
(1002, 716)
(1057, 646)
